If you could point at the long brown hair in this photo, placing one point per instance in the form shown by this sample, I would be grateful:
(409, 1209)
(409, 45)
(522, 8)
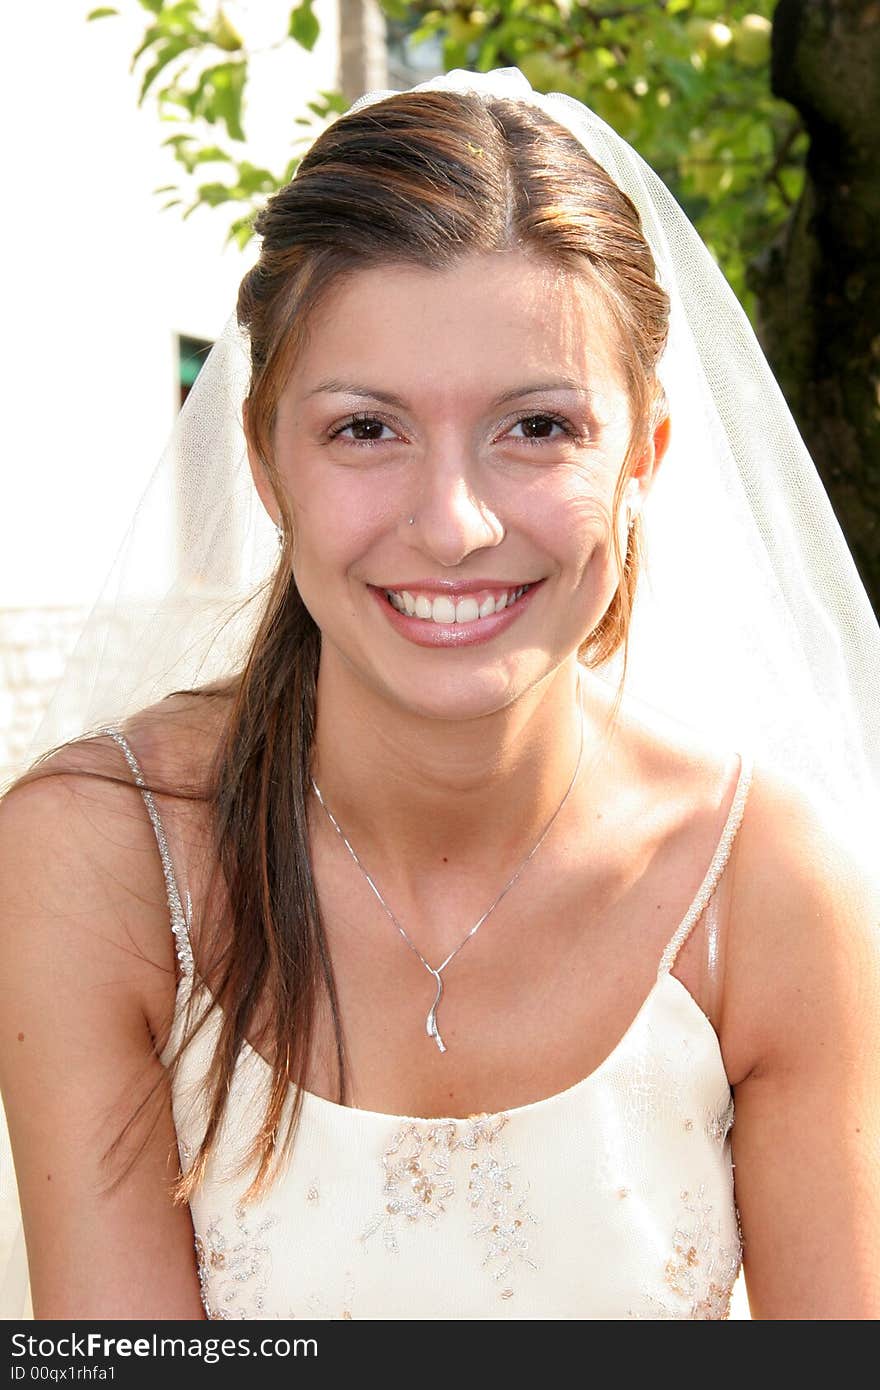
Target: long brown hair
(423, 178)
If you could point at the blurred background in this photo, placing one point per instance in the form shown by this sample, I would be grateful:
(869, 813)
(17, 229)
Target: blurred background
(141, 138)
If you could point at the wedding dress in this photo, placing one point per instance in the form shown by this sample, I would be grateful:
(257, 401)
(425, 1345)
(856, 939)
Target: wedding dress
(612, 1199)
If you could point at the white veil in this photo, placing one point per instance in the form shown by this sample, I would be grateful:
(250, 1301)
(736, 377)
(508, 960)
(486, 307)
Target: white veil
(750, 621)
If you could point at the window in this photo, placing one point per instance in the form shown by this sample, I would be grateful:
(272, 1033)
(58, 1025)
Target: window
(191, 353)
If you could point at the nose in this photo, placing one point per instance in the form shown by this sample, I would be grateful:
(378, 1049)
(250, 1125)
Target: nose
(450, 519)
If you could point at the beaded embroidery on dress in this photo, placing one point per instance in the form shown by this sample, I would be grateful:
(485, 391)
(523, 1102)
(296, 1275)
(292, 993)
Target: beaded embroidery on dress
(613, 1199)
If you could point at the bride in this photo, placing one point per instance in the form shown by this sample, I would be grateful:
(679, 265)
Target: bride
(415, 968)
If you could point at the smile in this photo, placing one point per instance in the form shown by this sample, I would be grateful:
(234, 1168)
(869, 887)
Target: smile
(445, 610)
(454, 616)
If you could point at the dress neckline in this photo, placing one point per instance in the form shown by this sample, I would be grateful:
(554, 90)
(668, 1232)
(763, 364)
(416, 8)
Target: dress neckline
(313, 1100)
(193, 980)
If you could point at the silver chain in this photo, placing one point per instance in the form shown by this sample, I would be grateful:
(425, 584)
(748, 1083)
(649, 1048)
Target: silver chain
(431, 1022)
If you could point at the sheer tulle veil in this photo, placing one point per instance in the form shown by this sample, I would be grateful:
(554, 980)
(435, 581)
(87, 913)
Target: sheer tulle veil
(750, 622)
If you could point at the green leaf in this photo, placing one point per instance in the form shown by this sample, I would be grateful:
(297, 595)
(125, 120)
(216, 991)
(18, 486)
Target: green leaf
(420, 35)
(151, 35)
(166, 54)
(252, 179)
(329, 103)
(224, 34)
(215, 193)
(396, 9)
(191, 158)
(455, 54)
(104, 12)
(174, 18)
(304, 26)
(686, 79)
(241, 231)
(219, 96)
(211, 154)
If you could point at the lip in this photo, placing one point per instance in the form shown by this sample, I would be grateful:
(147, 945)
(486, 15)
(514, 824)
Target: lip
(454, 587)
(422, 632)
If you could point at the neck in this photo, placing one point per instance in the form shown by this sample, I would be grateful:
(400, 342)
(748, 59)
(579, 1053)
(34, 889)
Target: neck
(420, 793)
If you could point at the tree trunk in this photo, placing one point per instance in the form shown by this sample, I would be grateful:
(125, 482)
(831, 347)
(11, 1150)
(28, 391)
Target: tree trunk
(363, 56)
(818, 285)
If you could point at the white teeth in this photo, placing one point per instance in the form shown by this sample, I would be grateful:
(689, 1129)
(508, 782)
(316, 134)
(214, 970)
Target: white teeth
(467, 610)
(445, 610)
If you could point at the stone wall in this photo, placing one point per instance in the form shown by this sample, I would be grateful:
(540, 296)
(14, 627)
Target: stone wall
(34, 643)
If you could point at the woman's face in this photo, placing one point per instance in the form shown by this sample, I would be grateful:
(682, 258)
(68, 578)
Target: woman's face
(485, 402)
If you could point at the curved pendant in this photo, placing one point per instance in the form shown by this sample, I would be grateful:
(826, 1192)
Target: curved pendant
(431, 1022)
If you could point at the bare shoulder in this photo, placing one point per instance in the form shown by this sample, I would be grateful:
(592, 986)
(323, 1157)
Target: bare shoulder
(801, 915)
(87, 982)
(804, 889)
(81, 878)
(802, 1017)
(178, 739)
(81, 885)
(804, 928)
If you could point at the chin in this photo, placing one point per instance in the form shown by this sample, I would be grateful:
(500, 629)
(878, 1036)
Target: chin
(463, 695)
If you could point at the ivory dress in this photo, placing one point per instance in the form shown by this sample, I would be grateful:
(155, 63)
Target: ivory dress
(613, 1199)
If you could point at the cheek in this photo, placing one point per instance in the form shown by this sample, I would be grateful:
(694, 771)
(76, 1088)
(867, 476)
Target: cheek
(574, 517)
(338, 514)
(576, 525)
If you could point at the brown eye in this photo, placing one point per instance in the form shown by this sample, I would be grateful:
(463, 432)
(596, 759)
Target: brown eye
(367, 429)
(538, 428)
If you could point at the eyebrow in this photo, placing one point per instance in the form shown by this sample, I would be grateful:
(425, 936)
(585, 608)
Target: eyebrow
(352, 388)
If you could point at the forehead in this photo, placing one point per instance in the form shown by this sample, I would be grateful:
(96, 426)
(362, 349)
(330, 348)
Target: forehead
(464, 328)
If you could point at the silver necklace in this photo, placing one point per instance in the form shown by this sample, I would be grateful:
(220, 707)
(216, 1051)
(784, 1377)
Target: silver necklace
(431, 1022)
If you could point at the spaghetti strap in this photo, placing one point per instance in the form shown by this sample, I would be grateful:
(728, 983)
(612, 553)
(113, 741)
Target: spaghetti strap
(716, 868)
(180, 921)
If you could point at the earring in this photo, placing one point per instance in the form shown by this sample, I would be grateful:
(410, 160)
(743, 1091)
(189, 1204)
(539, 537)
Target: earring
(412, 521)
(279, 532)
(633, 504)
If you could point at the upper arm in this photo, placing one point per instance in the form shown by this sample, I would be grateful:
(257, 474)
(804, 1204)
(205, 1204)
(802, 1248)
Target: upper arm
(83, 944)
(803, 1000)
